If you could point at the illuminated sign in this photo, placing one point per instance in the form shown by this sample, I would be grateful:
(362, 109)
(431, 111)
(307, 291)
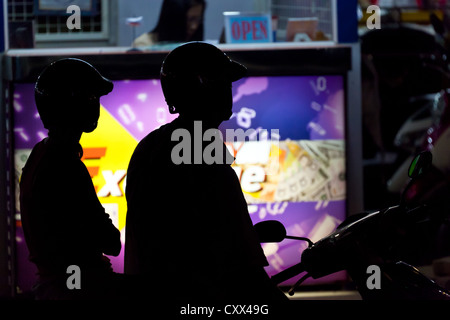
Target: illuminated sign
(106, 154)
(296, 177)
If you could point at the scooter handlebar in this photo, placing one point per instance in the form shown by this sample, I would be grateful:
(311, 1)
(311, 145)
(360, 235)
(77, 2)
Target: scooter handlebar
(375, 232)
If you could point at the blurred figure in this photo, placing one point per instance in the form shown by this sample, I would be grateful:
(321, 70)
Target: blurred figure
(188, 228)
(21, 35)
(63, 221)
(179, 21)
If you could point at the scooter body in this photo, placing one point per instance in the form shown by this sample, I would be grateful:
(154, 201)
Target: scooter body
(365, 242)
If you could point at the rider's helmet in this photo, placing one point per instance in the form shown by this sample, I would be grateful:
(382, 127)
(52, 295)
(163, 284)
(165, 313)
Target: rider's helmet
(67, 93)
(193, 68)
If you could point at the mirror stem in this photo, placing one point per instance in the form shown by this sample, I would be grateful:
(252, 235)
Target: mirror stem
(310, 243)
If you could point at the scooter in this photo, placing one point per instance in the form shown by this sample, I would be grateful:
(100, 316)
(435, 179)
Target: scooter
(429, 128)
(411, 137)
(369, 247)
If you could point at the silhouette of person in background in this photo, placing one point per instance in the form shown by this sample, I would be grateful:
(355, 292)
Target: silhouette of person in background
(188, 226)
(63, 221)
(179, 21)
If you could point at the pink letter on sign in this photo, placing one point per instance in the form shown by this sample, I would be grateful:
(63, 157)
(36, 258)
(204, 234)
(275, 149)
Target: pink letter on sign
(263, 28)
(246, 28)
(236, 30)
(254, 29)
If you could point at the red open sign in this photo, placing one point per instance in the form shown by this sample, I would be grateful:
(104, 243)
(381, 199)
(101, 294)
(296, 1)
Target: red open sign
(245, 28)
(256, 30)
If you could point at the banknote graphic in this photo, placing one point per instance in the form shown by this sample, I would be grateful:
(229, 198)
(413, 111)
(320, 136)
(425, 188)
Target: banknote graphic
(305, 171)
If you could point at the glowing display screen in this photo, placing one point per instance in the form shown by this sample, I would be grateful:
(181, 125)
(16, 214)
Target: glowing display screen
(291, 164)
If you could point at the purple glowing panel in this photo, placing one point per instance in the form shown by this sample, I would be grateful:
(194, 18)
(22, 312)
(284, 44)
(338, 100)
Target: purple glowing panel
(306, 192)
(138, 105)
(307, 107)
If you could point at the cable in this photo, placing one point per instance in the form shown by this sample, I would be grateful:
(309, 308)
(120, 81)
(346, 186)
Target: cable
(310, 243)
(299, 282)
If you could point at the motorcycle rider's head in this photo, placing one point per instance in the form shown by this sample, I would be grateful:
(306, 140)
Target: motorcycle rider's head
(196, 81)
(67, 95)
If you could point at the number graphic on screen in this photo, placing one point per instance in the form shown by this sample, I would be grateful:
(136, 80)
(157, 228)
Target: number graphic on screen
(319, 86)
(126, 114)
(21, 132)
(316, 106)
(245, 116)
(161, 116)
